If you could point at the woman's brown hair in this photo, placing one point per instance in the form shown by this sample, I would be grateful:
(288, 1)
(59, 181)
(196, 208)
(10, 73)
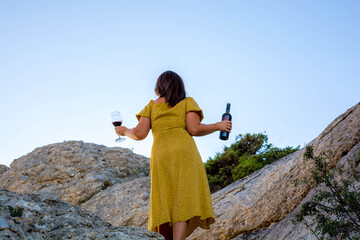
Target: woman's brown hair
(170, 86)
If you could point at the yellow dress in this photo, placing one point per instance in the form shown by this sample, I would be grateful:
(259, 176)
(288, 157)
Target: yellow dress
(179, 186)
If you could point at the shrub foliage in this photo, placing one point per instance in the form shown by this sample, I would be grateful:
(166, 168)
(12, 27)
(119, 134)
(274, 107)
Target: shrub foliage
(249, 153)
(336, 208)
(15, 212)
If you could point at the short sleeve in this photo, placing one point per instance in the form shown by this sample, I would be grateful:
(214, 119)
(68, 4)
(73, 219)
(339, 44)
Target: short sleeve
(192, 106)
(146, 112)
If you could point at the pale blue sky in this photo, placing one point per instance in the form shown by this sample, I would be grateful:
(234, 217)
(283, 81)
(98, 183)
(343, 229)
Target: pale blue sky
(288, 67)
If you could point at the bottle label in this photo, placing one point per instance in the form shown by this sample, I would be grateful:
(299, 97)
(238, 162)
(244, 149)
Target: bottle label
(226, 117)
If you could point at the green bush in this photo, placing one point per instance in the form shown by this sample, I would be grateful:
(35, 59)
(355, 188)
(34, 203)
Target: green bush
(246, 166)
(249, 153)
(336, 208)
(15, 212)
(107, 184)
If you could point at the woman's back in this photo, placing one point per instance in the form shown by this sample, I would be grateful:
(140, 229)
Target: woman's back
(165, 118)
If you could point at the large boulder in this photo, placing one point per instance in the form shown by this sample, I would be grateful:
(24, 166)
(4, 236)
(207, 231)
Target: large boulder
(3, 169)
(123, 204)
(285, 229)
(269, 194)
(73, 171)
(44, 217)
(113, 183)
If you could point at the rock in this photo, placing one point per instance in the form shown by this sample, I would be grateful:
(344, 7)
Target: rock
(3, 223)
(73, 171)
(3, 169)
(77, 172)
(51, 218)
(124, 204)
(268, 195)
(285, 229)
(246, 209)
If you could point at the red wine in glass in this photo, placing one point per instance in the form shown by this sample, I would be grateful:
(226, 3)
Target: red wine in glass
(116, 119)
(117, 123)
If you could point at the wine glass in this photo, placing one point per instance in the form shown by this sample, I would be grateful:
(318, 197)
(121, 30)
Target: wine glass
(117, 121)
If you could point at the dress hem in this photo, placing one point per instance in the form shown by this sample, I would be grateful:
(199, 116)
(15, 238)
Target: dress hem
(194, 222)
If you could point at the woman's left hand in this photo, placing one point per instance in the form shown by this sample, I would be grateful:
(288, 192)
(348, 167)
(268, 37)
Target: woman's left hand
(120, 130)
(225, 125)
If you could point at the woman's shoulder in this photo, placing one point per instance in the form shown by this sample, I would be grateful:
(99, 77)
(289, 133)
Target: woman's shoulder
(189, 99)
(185, 101)
(151, 102)
(159, 101)
(190, 103)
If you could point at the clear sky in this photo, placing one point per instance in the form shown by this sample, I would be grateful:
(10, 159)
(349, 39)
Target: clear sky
(288, 67)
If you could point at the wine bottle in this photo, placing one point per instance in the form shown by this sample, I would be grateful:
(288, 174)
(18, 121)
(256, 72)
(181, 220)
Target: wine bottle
(225, 116)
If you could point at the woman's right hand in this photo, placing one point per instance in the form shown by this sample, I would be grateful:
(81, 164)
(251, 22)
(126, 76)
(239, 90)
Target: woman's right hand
(224, 126)
(120, 130)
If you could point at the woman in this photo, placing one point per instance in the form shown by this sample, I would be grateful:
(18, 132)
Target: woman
(180, 198)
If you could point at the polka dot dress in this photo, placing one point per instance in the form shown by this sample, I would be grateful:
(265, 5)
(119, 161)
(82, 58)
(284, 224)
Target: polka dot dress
(179, 186)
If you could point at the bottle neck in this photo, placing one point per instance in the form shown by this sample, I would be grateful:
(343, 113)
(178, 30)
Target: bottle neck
(228, 108)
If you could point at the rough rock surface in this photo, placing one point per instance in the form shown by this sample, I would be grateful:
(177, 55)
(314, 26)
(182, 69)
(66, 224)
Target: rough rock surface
(51, 218)
(123, 204)
(3, 169)
(269, 195)
(285, 229)
(76, 172)
(73, 171)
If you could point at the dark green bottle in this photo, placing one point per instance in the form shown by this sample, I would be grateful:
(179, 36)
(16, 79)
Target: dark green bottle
(225, 116)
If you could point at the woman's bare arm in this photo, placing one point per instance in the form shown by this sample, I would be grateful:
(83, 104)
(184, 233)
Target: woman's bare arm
(195, 128)
(139, 132)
